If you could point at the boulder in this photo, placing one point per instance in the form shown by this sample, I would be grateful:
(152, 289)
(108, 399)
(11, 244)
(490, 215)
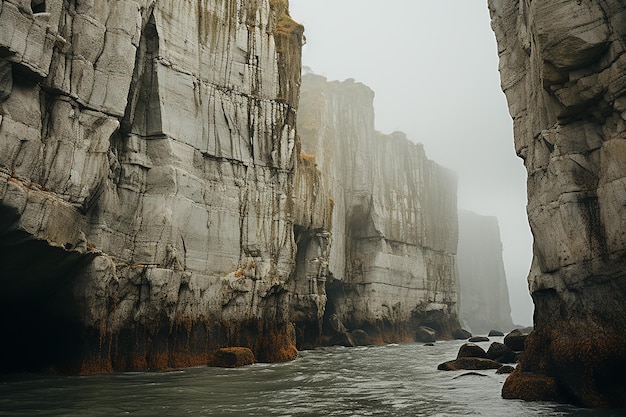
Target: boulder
(343, 339)
(530, 386)
(515, 340)
(361, 338)
(478, 339)
(470, 350)
(495, 333)
(505, 369)
(501, 353)
(469, 364)
(232, 357)
(461, 334)
(425, 334)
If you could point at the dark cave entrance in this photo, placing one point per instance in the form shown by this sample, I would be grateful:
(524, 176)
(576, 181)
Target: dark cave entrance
(41, 330)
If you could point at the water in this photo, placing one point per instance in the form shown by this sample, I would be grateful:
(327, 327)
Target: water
(392, 380)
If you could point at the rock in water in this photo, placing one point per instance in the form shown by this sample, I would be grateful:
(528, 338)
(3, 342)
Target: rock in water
(232, 357)
(501, 353)
(476, 339)
(515, 340)
(563, 66)
(470, 350)
(461, 334)
(469, 363)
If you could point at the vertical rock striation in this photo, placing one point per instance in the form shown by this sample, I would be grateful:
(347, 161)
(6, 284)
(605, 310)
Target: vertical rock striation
(483, 292)
(147, 183)
(563, 70)
(394, 222)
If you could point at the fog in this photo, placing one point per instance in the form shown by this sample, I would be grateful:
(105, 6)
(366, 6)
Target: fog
(433, 66)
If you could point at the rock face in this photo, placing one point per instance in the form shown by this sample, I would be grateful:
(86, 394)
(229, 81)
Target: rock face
(484, 295)
(147, 184)
(563, 70)
(394, 225)
(155, 205)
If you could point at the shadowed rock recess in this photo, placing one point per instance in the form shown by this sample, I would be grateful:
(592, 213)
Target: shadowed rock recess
(154, 203)
(563, 70)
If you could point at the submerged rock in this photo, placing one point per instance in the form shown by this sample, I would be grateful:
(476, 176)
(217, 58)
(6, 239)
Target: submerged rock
(469, 363)
(477, 339)
(495, 333)
(505, 369)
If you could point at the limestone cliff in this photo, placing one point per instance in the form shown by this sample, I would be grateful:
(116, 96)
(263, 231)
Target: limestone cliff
(563, 70)
(483, 291)
(394, 222)
(147, 183)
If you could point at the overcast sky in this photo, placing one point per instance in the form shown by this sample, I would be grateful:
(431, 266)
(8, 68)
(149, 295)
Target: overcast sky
(433, 66)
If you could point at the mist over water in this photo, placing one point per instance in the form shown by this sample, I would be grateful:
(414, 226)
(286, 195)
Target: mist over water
(391, 380)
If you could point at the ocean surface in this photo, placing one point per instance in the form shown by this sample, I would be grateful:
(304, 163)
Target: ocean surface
(391, 380)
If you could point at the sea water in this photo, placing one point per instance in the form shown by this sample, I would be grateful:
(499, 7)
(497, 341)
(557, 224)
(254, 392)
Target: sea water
(390, 380)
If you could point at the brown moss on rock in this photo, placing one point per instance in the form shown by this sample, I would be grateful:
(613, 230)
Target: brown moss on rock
(232, 357)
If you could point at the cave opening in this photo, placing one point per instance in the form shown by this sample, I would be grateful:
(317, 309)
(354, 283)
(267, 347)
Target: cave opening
(41, 330)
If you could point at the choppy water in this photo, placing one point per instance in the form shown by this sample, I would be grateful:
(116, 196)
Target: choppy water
(392, 380)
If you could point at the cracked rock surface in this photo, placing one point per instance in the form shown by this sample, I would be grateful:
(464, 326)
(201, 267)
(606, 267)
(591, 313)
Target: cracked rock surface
(563, 70)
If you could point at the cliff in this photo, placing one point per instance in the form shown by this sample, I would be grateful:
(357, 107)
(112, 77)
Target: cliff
(156, 204)
(562, 67)
(146, 183)
(394, 223)
(483, 292)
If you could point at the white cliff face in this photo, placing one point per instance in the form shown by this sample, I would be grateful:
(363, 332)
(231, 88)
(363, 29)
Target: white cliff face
(394, 224)
(484, 295)
(562, 65)
(146, 151)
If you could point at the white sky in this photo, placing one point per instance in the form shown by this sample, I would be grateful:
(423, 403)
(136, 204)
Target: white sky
(433, 66)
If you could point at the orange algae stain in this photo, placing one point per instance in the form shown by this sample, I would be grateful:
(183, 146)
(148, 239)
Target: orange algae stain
(95, 365)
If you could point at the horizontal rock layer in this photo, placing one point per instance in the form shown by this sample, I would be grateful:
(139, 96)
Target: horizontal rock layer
(563, 69)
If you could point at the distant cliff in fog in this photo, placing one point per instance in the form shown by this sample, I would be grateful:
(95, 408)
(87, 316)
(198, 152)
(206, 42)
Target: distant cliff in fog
(484, 295)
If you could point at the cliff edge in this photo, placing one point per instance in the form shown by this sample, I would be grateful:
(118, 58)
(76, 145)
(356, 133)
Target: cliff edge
(563, 66)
